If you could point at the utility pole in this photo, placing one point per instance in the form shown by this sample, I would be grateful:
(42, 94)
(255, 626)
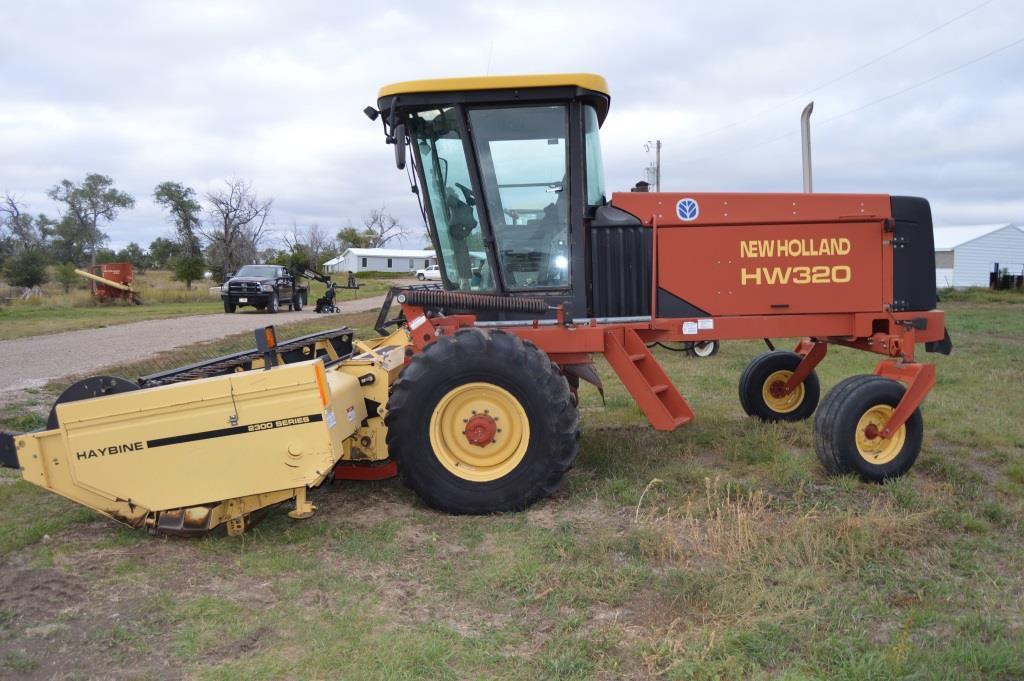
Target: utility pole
(657, 161)
(657, 165)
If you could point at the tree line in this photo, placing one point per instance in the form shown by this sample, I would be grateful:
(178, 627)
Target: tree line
(217, 233)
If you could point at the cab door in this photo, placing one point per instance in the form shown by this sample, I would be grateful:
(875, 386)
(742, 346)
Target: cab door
(285, 286)
(523, 155)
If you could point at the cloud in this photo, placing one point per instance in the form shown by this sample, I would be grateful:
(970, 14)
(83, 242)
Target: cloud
(200, 91)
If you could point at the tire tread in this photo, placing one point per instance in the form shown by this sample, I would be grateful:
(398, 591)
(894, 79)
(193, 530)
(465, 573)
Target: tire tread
(525, 360)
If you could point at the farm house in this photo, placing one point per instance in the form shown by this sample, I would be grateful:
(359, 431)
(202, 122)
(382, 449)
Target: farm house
(380, 260)
(965, 256)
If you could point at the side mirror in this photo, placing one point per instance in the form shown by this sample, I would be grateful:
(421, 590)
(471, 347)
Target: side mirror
(399, 135)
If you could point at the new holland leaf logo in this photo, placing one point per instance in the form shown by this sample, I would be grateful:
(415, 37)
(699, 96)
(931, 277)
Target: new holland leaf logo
(687, 210)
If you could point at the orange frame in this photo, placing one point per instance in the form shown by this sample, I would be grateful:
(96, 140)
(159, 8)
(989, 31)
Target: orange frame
(867, 321)
(892, 335)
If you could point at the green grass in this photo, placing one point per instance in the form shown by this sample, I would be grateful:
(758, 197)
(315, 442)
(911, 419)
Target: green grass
(163, 298)
(981, 295)
(742, 561)
(19, 321)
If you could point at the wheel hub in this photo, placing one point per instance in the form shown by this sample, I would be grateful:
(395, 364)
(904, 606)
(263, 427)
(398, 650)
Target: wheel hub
(775, 395)
(870, 443)
(480, 430)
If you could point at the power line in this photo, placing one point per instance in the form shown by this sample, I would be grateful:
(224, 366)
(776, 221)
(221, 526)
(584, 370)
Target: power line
(838, 78)
(873, 102)
(926, 81)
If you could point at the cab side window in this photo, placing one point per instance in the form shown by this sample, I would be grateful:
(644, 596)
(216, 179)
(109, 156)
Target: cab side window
(524, 167)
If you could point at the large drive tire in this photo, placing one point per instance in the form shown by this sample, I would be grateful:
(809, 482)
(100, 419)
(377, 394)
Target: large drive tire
(703, 349)
(482, 422)
(844, 428)
(229, 307)
(273, 303)
(759, 384)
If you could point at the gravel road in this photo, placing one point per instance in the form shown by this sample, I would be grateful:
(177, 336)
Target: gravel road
(32, 362)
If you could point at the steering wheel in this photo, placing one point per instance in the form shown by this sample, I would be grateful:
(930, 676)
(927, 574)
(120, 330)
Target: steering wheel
(467, 193)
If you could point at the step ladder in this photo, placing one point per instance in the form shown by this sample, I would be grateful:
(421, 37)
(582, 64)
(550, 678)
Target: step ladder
(646, 381)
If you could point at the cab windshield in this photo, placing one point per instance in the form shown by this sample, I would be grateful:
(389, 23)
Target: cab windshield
(460, 240)
(261, 271)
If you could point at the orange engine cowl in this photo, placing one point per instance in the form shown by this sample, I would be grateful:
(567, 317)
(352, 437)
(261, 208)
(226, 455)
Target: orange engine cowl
(756, 254)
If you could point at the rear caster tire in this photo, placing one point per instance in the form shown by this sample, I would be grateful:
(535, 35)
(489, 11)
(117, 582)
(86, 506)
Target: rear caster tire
(229, 307)
(482, 422)
(761, 383)
(846, 427)
(703, 349)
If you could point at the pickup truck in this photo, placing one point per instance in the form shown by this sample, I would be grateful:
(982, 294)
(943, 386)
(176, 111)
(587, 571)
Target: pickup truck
(265, 287)
(431, 273)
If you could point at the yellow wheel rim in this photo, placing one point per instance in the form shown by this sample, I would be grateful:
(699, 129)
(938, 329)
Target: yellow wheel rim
(772, 395)
(872, 447)
(479, 432)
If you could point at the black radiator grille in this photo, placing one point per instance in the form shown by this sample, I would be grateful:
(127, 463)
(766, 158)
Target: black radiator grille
(620, 267)
(243, 287)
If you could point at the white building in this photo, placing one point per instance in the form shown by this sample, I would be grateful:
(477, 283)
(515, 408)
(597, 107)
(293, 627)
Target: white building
(380, 260)
(965, 256)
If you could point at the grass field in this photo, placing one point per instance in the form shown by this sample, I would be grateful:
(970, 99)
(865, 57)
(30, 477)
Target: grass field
(720, 551)
(162, 297)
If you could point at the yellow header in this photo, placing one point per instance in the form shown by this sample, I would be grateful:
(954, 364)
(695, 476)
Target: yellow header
(587, 81)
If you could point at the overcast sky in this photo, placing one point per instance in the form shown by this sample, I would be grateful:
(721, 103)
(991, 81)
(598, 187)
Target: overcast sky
(274, 92)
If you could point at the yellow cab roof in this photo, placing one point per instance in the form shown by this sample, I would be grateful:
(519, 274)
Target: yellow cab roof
(586, 81)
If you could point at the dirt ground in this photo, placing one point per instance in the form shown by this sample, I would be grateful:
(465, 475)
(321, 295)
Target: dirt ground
(33, 362)
(83, 616)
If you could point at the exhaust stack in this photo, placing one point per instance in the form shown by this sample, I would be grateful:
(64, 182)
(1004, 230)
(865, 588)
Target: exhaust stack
(805, 146)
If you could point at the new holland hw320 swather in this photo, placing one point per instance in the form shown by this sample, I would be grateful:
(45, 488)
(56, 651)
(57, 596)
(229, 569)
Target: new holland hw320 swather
(470, 393)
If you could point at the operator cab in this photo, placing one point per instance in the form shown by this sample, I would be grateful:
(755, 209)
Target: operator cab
(508, 169)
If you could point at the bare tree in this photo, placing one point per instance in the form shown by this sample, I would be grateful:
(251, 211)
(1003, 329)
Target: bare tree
(10, 209)
(237, 223)
(19, 231)
(10, 217)
(306, 245)
(381, 227)
(318, 241)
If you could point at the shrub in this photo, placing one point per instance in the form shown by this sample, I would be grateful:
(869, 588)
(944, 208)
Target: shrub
(26, 269)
